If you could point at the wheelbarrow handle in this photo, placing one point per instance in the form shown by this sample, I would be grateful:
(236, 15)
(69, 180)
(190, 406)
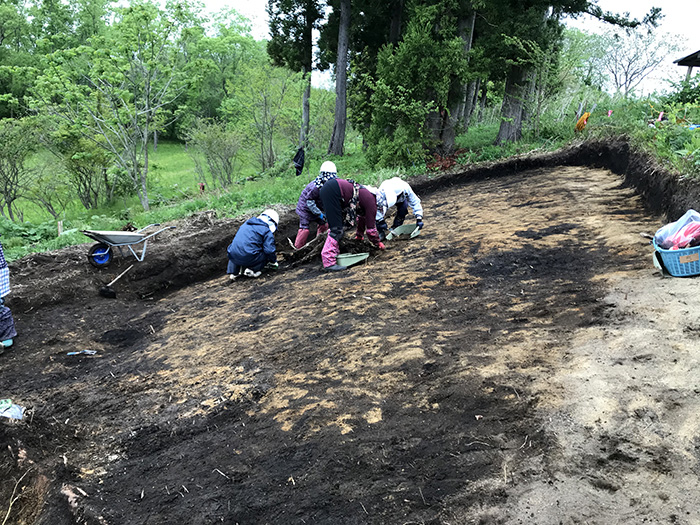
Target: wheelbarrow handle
(145, 228)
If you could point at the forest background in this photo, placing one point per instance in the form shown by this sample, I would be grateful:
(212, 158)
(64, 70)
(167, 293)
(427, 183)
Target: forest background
(147, 112)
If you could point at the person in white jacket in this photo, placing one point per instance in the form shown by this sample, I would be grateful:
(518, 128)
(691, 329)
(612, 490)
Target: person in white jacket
(397, 192)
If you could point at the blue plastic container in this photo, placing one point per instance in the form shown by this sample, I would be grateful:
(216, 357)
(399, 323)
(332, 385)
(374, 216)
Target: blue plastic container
(680, 263)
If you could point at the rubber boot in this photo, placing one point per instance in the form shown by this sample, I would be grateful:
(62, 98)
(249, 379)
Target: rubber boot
(302, 237)
(322, 228)
(329, 255)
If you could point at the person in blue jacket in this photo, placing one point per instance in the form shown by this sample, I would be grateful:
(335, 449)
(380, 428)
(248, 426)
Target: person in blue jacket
(253, 247)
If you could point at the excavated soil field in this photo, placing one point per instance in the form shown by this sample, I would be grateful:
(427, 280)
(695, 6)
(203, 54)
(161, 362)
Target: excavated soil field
(521, 361)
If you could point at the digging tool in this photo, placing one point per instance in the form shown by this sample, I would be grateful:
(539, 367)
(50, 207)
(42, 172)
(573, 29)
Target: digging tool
(107, 291)
(404, 229)
(348, 259)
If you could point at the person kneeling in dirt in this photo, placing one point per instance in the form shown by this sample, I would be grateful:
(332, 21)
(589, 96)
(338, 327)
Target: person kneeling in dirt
(397, 192)
(359, 204)
(7, 323)
(310, 207)
(253, 247)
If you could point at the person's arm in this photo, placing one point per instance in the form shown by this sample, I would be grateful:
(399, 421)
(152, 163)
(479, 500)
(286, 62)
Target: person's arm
(269, 246)
(313, 208)
(414, 202)
(368, 202)
(313, 197)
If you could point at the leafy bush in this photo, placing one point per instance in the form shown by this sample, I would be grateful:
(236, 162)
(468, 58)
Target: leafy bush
(685, 92)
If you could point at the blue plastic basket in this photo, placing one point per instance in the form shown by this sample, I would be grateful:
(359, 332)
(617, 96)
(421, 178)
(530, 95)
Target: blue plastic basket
(680, 263)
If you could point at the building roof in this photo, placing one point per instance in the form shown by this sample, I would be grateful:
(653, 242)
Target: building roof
(692, 60)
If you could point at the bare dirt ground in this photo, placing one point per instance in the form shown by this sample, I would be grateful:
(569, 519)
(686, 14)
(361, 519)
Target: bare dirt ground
(521, 361)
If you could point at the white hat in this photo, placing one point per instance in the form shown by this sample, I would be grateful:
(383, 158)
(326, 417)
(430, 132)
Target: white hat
(392, 188)
(328, 167)
(273, 216)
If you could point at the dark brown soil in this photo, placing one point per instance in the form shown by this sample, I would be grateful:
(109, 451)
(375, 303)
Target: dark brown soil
(433, 384)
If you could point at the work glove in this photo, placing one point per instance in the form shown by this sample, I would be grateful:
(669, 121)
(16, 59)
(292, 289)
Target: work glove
(272, 265)
(419, 222)
(381, 246)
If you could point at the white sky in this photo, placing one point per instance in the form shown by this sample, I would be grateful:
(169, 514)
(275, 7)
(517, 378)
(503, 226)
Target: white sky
(681, 17)
(254, 10)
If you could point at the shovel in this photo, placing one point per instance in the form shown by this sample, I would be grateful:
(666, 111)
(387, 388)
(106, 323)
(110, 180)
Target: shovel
(348, 259)
(404, 229)
(106, 291)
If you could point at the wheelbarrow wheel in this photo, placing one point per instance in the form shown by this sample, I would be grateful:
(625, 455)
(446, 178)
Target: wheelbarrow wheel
(100, 255)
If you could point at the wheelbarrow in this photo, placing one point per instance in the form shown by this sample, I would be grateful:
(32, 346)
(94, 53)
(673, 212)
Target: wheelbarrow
(100, 254)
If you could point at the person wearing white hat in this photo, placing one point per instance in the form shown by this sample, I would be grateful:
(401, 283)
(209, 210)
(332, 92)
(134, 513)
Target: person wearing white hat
(397, 192)
(253, 248)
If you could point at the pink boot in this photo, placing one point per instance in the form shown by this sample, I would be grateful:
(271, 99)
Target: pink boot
(329, 255)
(302, 237)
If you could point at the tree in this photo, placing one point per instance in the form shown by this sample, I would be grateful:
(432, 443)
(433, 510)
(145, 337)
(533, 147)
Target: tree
(116, 90)
(219, 147)
(291, 45)
(416, 80)
(19, 141)
(372, 25)
(263, 105)
(52, 25)
(580, 57)
(631, 56)
(49, 190)
(536, 27)
(215, 64)
(337, 143)
(85, 163)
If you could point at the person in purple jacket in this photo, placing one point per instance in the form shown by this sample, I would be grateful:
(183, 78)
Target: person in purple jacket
(310, 207)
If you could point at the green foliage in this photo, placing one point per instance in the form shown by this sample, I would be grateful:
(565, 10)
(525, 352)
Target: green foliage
(690, 154)
(216, 147)
(264, 110)
(414, 79)
(685, 92)
(291, 25)
(214, 66)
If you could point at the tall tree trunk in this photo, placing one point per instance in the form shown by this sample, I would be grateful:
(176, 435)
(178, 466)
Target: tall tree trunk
(513, 107)
(143, 174)
(307, 66)
(396, 21)
(337, 144)
(482, 102)
(530, 96)
(471, 101)
(455, 103)
(305, 111)
(466, 32)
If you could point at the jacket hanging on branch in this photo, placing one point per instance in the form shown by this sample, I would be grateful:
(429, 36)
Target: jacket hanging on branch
(299, 161)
